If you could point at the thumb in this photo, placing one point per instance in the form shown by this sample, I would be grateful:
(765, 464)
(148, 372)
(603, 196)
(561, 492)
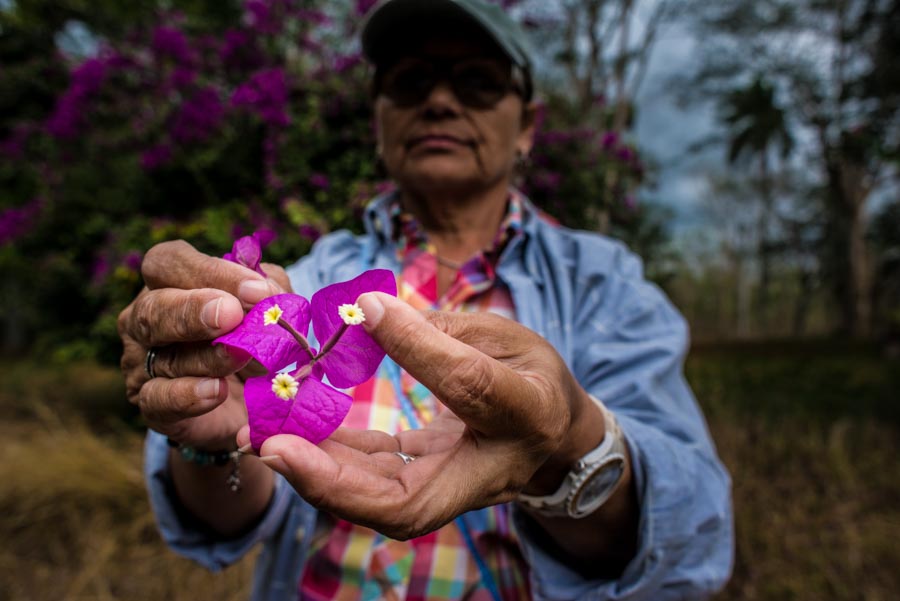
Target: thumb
(476, 387)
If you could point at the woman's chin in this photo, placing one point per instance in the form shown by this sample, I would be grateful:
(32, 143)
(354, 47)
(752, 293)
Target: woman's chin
(446, 176)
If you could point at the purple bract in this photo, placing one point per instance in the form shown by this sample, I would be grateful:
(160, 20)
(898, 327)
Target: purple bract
(247, 251)
(292, 397)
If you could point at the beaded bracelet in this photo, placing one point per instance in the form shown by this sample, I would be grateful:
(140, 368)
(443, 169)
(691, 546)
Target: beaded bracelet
(205, 458)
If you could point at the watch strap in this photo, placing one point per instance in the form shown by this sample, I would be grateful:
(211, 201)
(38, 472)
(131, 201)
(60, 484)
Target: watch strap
(611, 448)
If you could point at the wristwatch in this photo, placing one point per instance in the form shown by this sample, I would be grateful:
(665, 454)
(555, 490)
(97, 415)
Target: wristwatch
(591, 482)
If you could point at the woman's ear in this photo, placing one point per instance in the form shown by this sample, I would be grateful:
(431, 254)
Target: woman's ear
(528, 128)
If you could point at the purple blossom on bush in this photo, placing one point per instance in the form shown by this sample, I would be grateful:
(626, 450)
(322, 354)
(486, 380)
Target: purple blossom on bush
(346, 62)
(200, 116)
(133, 260)
(383, 187)
(18, 221)
(169, 42)
(310, 232)
(555, 136)
(13, 145)
(292, 398)
(156, 157)
(625, 154)
(265, 93)
(547, 180)
(182, 77)
(609, 140)
(319, 180)
(315, 17)
(260, 17)
(68, 115)
(363, 6)
(99, 269)
(239, 50)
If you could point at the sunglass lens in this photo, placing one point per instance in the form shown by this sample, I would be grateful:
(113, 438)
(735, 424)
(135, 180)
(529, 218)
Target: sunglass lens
(480, 84)
(408, 84)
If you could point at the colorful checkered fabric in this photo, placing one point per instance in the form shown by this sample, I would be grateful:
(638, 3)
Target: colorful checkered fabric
(357, 563)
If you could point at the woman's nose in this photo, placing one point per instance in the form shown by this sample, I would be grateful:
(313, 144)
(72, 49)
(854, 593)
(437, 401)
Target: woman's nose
(441, 100)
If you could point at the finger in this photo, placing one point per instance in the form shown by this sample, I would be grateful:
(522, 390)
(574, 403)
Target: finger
(478, 389)
(495, 336)
(164, 400)
(419, 498)
(198, 359)
(177, 264)
(277, 273)
(366, 441)
(213, 430)
(160, 317)
(384, 463)
(428, 441)
(132, 366)
(394, 505)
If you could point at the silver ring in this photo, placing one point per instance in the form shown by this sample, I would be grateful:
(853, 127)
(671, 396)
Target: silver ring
(407, 459)
(148, 362)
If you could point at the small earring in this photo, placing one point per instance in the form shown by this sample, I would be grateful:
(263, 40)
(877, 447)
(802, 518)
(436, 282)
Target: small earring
(521, 158)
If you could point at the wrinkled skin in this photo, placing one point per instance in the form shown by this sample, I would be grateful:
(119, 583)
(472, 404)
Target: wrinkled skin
(189, 299)
(511, 402)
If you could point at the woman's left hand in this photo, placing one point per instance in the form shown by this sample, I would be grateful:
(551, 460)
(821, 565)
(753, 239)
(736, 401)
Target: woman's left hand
(517, 421)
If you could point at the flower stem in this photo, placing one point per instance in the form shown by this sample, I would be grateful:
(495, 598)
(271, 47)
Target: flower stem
(300, 338)
(303, 372)
(332, 341)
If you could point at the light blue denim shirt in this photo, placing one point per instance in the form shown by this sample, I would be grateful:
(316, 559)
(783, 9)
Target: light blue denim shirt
(624, 342)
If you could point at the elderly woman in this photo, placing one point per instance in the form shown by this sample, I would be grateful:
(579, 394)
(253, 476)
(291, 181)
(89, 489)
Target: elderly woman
(558, 452)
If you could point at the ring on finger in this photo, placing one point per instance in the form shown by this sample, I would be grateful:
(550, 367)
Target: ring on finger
(148, 362)
(407, 458)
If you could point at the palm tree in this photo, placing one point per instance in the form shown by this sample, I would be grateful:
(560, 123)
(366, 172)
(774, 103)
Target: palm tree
(757, 124)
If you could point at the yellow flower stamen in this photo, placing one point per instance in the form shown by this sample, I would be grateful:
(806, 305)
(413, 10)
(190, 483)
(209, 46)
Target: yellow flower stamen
(272, 315)
(352, 314)
(285, 386)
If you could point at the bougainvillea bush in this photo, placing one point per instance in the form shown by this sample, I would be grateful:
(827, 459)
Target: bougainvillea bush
(206, 124)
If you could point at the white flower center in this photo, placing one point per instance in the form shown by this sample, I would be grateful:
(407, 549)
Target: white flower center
(272, 315)
(285, 386)
(352, 314)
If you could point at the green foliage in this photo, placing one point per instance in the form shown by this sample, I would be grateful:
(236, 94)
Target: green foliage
(205, 123)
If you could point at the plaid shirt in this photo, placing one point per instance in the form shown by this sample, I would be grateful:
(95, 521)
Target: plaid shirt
(354, 562)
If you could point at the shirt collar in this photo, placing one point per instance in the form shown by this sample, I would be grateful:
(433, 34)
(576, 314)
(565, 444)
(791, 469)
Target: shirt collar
(407, 231)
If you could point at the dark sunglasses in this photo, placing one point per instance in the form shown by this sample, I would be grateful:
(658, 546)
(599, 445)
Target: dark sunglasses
(477, 83)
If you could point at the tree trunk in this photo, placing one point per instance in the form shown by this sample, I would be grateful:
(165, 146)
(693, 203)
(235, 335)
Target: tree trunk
(848, 183)
(763, 252)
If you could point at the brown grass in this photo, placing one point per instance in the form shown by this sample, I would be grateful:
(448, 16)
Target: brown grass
(817, 500)
(816, 506)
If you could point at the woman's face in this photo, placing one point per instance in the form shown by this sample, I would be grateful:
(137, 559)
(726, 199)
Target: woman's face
(439, 143)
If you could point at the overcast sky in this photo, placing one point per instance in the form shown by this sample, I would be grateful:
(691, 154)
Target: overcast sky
(666, 131)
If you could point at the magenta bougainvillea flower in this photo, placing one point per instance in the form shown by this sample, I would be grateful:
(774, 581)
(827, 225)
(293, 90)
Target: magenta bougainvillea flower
(247, 251)
(293, 398)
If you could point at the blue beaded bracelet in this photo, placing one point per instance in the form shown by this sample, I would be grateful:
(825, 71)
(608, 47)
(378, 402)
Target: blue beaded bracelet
(205, 458)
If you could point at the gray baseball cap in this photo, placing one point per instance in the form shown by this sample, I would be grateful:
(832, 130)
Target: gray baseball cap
(391, 21)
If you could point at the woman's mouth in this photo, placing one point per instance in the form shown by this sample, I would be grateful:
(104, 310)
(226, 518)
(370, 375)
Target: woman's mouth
(437, 142)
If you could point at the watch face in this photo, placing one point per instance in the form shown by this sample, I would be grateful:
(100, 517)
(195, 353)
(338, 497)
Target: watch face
(598, 487)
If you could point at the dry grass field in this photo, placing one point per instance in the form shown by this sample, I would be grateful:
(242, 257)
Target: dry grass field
(810, 433)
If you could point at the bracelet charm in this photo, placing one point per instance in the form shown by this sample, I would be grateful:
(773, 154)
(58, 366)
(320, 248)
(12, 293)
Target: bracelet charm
(219, 458)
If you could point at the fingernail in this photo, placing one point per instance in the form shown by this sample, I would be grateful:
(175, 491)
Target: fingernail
(253, 291)
(372, 308)
(209, 315)
(246, 449)
(208, 389)
(276, 463)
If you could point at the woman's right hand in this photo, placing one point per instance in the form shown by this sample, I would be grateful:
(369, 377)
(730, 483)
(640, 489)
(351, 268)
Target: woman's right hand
(190, 298)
